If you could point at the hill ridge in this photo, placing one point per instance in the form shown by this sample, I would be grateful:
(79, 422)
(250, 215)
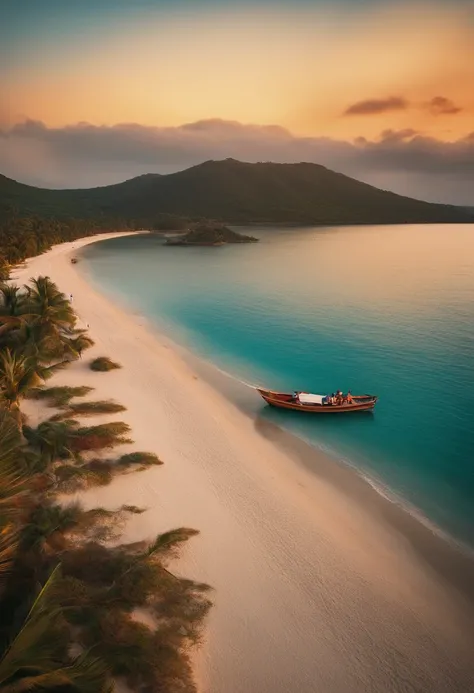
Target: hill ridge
(233, 191)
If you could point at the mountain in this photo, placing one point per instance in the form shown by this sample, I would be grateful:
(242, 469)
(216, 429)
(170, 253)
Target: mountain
(233, 191)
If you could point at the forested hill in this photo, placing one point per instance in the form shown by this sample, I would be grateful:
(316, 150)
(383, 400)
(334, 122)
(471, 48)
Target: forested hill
(232, 191)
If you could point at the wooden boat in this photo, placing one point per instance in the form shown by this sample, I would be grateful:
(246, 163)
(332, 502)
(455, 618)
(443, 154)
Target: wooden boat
(306, 402)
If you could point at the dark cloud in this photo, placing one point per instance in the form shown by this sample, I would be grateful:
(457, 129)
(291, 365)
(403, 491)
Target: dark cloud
(85, 155)
(374, 106)
(440, 105)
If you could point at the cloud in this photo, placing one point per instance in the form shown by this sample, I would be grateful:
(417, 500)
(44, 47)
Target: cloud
(440, 105)
(398, 135)
(86, 155)
(374, 106)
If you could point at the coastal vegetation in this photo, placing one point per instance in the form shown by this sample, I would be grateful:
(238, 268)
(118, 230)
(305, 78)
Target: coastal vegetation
(58, 396)
(73, 598)
(104, 363)
(25, 233)
(228, 191)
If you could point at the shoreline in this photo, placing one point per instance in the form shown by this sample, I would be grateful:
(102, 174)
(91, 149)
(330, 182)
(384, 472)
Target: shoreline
(298, 548)
(303, 451)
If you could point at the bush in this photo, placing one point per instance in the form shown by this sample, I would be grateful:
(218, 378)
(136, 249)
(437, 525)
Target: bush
(103, 363)
(145, 459)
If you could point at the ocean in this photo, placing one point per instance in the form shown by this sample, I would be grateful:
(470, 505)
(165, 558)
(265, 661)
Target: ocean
(386, 310)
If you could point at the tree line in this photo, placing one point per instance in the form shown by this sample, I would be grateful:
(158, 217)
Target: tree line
(23, 236)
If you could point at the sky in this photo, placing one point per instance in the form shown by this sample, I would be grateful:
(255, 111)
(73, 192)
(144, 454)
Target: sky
(97, 91)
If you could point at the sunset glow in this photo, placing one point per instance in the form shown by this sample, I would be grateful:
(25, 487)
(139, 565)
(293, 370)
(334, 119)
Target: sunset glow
(309, 67)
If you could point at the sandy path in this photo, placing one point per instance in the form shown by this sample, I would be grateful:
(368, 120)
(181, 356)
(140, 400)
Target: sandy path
(312, 593)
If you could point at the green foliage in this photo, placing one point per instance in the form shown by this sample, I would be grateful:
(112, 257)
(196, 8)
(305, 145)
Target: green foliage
(114, 582)
(63, 585)
(103, 363)
(98, 437)
(37, 658)
(169, 222)
(37, 337)
(139, 458)
(92, 598)
(80, 475)
(18, 374)
(65, 439)
(211, 234)
(59, 396)
(229, 190)
(4, 271)
(29, 227)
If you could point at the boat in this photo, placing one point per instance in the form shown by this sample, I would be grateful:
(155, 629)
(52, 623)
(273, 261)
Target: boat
(315, 404)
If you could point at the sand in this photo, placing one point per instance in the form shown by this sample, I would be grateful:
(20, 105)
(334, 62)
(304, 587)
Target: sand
(320, 584)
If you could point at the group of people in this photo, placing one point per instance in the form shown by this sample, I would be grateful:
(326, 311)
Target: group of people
(338, 398)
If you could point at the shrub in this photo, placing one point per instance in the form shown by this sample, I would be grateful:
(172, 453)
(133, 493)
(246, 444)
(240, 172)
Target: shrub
(145, 459)
(103, 363)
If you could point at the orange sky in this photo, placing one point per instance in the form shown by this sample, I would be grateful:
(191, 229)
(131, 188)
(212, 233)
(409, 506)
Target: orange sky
(299, 69)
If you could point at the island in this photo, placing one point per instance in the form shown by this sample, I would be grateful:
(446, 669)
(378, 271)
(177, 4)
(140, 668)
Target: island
(210, 234)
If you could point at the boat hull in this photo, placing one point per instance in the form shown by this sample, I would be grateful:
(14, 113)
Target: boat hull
(284, 400)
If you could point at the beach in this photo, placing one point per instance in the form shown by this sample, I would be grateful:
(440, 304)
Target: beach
(320, 584)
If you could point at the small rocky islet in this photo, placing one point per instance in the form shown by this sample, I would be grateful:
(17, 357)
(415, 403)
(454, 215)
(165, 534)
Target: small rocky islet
(210, 235)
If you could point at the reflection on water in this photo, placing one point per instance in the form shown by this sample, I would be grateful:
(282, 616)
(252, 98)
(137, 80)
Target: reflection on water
(388, 310)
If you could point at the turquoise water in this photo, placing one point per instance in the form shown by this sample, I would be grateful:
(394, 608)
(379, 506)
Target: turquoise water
(384, 310)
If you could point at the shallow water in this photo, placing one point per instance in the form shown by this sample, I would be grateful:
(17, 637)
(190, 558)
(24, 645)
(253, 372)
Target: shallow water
(384, 310)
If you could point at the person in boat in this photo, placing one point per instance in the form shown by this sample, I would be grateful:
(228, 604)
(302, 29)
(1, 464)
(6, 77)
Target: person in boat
(349, 399)
(339, 397)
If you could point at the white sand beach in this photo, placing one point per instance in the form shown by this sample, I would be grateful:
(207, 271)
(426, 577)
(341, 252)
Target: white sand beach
(315, 588)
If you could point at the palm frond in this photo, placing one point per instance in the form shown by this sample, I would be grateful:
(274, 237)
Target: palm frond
(168, 541)
(85, 675)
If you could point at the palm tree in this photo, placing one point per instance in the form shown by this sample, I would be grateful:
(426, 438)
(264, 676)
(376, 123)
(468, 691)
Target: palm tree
(12, 489)
(11, 300)
(78, 342)
(47, 524)
(48, 306)
(38, 659)
(18, 375)
(52, 440)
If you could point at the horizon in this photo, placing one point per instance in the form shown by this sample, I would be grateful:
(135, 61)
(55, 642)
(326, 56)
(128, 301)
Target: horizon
(379, 90)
